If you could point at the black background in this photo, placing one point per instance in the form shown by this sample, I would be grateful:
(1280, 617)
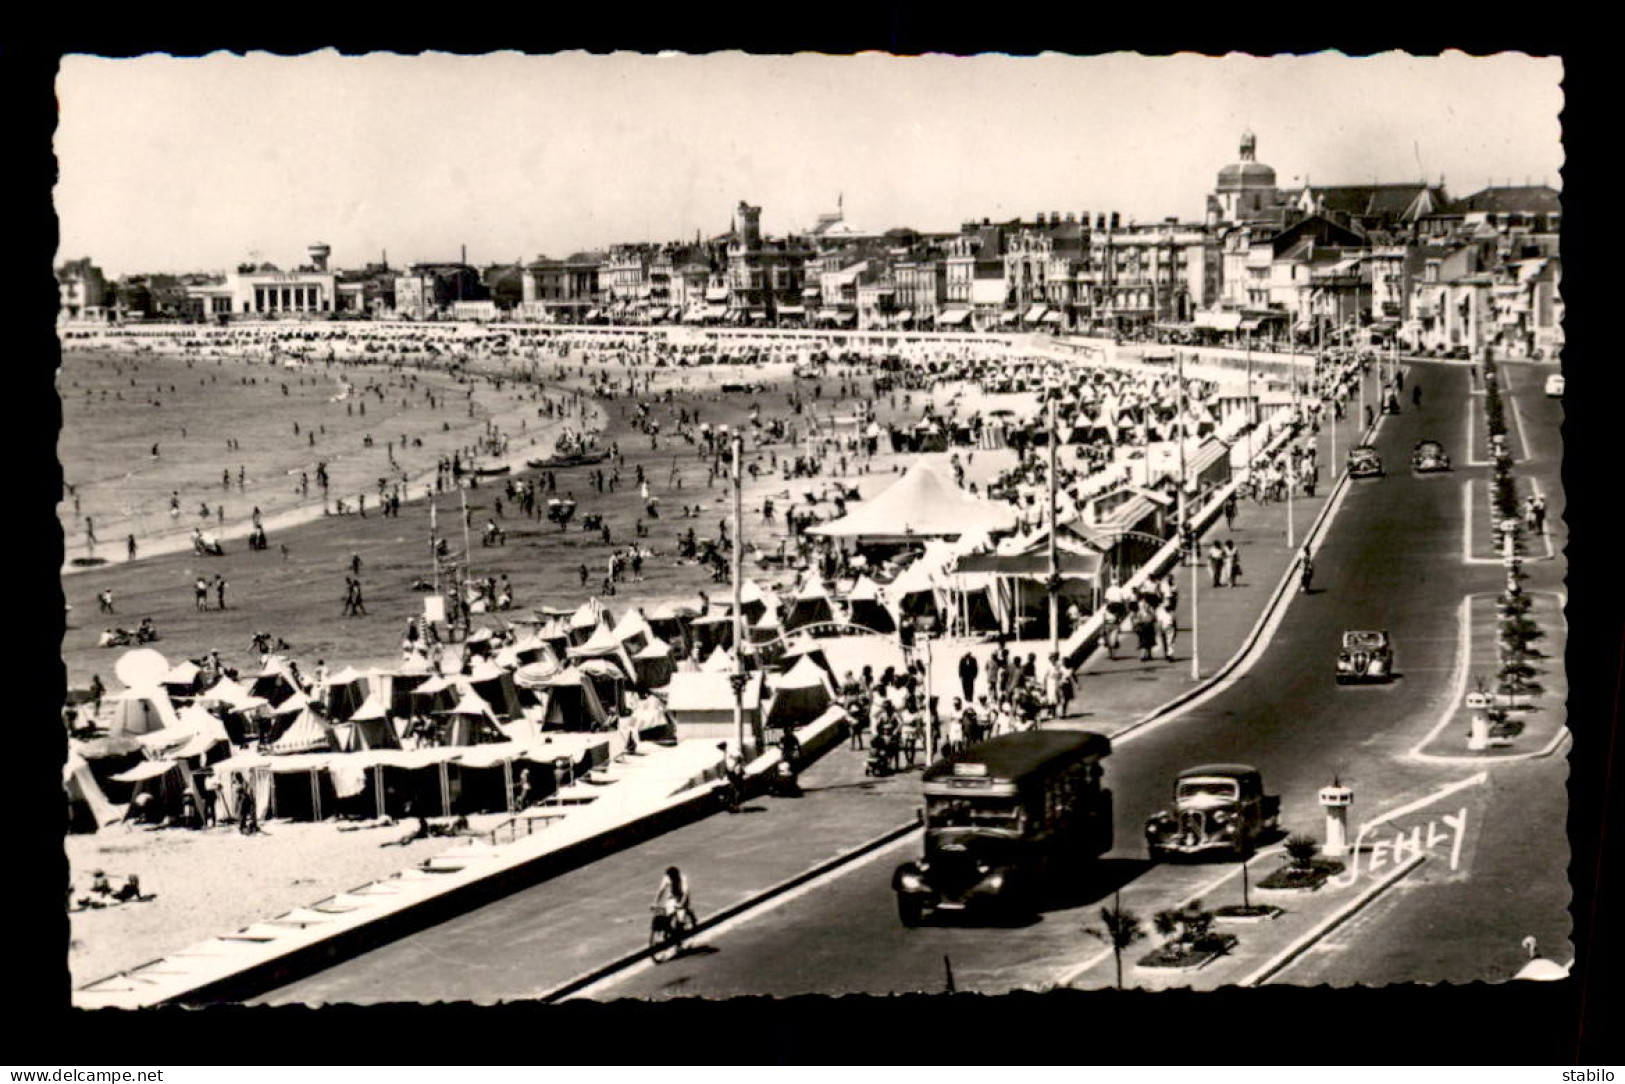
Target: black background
(1573, 1022)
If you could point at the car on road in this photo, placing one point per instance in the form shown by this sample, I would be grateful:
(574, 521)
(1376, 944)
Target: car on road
(1217, 807)
(1364, 462)
(1428, 456)
(1004, 820)
(1554, 385)
(1365, 656)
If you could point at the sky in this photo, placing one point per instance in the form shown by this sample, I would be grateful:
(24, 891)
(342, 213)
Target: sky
(185, 164)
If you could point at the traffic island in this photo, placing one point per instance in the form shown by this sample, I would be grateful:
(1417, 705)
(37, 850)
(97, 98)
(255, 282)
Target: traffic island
(1304, 871)
(1514, 685)
(1254, 913)
(1189, 941)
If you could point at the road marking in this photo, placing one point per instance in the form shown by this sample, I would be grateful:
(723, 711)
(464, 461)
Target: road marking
(1523, 438)
(1471, 442)
(749, 914)
(1458, 690)
(1287, 956)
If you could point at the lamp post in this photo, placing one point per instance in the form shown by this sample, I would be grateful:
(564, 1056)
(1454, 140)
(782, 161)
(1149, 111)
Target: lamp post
(1187, 537)
(1054, 583)
(738, 593)
(1292, 373)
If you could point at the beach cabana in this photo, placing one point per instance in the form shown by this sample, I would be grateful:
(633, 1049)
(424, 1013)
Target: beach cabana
(632, 631)
(468, 722)
(142, 711)
(586, 621)
(495, 686)
(345, 692)
(307, 733)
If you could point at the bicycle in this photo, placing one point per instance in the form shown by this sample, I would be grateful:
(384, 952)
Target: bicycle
(667, 930)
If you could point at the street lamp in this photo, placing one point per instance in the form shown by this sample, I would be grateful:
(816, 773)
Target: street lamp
(1187, 537)
(738, 679)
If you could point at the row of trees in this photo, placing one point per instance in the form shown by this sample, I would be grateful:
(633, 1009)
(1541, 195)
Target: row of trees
(1518, 632)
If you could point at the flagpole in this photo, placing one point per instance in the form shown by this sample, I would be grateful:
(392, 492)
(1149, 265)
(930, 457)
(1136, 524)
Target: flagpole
(1187, 537)
(1054, 551)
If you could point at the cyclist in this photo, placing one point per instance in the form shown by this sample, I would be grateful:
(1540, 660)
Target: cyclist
(673, 907)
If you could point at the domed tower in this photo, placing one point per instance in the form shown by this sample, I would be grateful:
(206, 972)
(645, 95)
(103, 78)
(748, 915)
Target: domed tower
(1246, 188)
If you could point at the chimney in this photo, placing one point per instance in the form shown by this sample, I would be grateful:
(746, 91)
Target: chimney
(465, 255)
(1116, 219)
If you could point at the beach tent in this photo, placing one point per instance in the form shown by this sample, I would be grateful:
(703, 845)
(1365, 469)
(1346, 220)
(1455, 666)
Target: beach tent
(367, 728)
(572, 703)
(345, 692)
(799, 696)
(768, 628)
(469, 722)
(274, 684)
(811, 605)
(586, 620)
(142, 711)
(753, 601)
(867, 609)
(670, 621)
(83, 792)
(196, 732)
(914, 592)
(495, 686)
(632, 631)
(307, 733)
(924, 503)
(182, 677)
(708, 699)
(604, 645)
(654, 665)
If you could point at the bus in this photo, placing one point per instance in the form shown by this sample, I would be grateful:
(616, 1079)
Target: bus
(1004, 821)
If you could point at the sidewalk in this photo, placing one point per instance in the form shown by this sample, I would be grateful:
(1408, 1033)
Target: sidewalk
(600, 912)
(1115, 694)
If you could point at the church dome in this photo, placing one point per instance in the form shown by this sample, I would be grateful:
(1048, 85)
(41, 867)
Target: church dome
(1249, 172)
(1246, 175)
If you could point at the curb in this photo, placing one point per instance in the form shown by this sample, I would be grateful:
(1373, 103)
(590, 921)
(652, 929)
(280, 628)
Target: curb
(604, 971)
(1274, 603)
(1297, 948)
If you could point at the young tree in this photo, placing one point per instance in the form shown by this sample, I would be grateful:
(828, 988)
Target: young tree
(1121, 928)
(1302, 850)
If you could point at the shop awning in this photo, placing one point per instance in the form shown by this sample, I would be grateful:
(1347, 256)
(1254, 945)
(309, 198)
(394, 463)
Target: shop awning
(905, 316)
(1053, 316)
(845, 317)
(1030, 564)
(592, 314)
(792, 310)
(827, 314)
(1009, 317)
(1218, 321)
(717, 293)
(658, 312)
(1035, 314)
(716, 312)
(953, 316)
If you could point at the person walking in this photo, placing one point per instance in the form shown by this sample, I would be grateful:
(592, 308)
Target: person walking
(1167, 630)
(1215, 562)
(200, 593)
(1232, 563)
(1145, 629)
(129, 545)
(968, 669)
(220, 591)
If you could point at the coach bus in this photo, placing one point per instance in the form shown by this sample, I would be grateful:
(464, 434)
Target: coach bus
(1006, 821)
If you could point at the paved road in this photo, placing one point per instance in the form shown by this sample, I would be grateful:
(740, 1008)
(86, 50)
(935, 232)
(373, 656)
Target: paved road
(1392, 560)
(1443, 927)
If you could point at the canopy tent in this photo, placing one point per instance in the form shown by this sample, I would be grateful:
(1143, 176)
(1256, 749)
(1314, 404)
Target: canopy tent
(799, 696)
(924, 503)
(495, 686)
(811, 605)
(753, 601)
(184, 673)
(536, 675)
(867, 609)
(79, 784)
(572, 703)
(604, 646)
(274, 684)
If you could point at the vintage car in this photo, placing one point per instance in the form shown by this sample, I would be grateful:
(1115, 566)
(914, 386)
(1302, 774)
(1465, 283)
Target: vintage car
(1364, 462)
(1365, 656)
(1428, 456)
(1554, 385)
(1217, 807)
